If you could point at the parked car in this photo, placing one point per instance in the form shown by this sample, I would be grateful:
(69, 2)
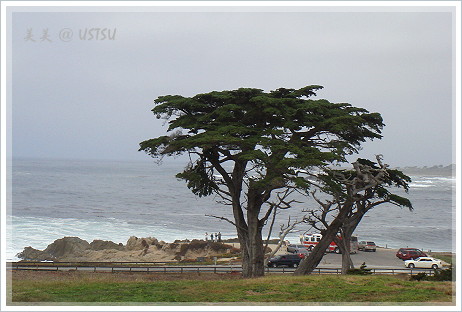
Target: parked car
(423, 262)
(401, 250)
(410, 253)
(365, 246)
(299, 249)
(290, 260)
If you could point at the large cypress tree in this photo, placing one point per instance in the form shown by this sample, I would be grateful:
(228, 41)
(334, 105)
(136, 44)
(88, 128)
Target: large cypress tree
(258, 143)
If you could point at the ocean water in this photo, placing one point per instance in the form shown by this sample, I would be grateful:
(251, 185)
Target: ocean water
(51, 199)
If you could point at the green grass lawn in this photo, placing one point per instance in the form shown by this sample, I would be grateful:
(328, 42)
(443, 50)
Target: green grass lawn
(80, 287)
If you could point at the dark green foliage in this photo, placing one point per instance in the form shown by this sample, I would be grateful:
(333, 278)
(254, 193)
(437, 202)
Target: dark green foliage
(419, 277)
(443, 275)
(361, 271)
(282, 130)
(439, 275)
(199, 179)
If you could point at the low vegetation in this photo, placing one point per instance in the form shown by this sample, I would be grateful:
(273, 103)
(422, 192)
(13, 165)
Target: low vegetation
(445, 256)
(48, 287)
(439, 275)
(363, 270)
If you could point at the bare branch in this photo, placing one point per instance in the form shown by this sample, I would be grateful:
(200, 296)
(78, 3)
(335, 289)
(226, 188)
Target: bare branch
(222, 218)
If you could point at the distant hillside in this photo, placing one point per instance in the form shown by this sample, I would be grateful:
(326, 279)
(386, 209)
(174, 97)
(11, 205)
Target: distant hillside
(435, 170)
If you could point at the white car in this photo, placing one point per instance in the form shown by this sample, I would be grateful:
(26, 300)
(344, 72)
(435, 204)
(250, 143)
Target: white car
(423, 262)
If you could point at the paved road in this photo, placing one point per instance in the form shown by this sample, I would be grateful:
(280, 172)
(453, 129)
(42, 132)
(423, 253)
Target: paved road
(382, 258)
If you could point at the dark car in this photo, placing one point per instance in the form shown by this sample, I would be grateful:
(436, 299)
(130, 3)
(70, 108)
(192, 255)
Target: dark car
(410, 253)
(285, 260)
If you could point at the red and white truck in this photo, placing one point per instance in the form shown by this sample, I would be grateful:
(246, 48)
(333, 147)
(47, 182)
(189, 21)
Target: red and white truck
(311, 240)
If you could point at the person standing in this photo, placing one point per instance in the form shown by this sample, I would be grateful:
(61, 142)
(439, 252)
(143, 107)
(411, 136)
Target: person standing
(211, 237)
(206, 236)
(219, 237)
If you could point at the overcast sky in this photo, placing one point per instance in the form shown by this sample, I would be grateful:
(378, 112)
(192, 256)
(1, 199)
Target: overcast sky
(91, 99)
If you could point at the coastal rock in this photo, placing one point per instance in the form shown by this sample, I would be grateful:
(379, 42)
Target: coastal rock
(67, 246)
(33, 254)
(98, 244)
(135, 243)
(146, 249)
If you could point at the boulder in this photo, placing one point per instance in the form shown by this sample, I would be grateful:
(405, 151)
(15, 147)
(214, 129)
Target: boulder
(135, 243)
(67, 246)
(98, 244)
(32, 254)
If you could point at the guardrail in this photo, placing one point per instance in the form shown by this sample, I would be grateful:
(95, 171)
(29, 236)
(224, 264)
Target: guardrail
(161, 267)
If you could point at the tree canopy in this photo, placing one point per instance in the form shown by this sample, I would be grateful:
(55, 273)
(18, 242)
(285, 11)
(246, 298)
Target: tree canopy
(283, 130)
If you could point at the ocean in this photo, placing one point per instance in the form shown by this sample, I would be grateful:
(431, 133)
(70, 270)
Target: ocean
(113, 200)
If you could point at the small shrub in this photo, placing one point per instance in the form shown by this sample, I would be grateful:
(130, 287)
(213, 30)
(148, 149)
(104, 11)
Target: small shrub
(440, 275)
(419, 277)
(361, 271)
(443, 275)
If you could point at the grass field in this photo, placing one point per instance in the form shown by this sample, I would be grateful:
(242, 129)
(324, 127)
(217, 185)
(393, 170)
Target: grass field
(28, 287)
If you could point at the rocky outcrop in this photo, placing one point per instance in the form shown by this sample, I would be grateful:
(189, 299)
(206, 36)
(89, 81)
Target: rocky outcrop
(146, 249)
(59, 248)
(135, 243)
(102, 245)
(30, 253)
(66, 246)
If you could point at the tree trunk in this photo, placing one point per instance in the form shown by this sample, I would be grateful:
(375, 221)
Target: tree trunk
(344, 246)
(251, 241)
(347, 229)
(252, 248)
(308, 264)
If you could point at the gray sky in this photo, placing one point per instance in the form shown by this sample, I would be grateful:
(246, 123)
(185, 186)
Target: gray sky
(89, 99)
